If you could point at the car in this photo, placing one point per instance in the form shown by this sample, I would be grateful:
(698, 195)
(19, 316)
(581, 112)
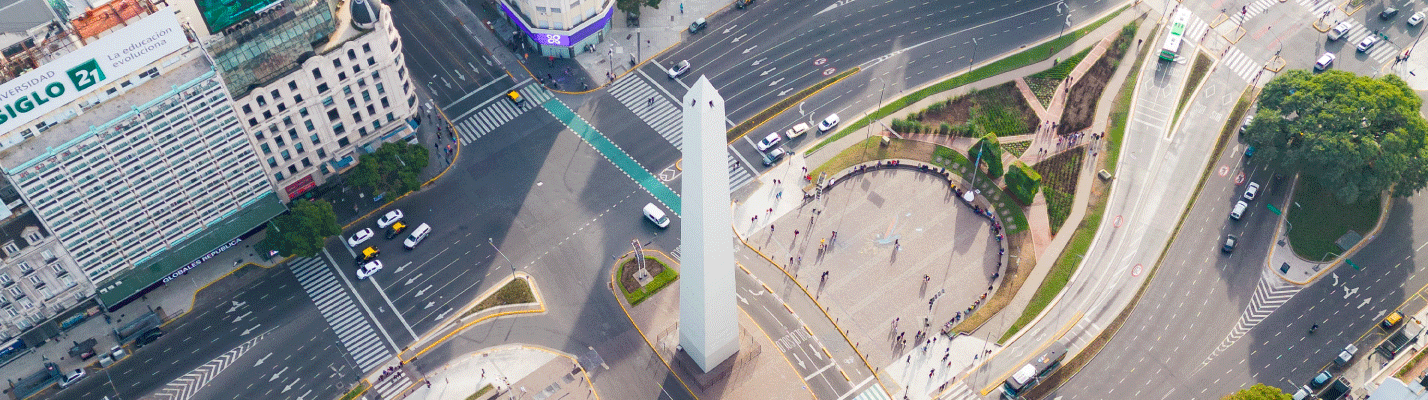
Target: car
(1388, 13)
(1249, 152)
(796, 130)
(1367, 43)
(1302, 394)
(743, 3)
(359, 237)
(1321, 379)
(516, 98)
(828, 123)
(1339, 30)
(1391, 320)
(1346, 355)
(148, 337)
(1325, 61)
(678, 69)
(769, 142)
(774, 156)
(1239, 210)
(1416, 19)
(1230, 241)
(1248, 119)
(391, 217)
(395, 229)
(72, 378)
(697, 26)
(367, 254)
(656, 215)
(117, 352)
(1251, 191)
(369, 269)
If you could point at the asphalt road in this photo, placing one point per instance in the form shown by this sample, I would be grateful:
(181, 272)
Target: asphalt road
(443, 56)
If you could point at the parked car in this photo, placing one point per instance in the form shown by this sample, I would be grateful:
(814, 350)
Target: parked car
(117, 352)
(769, 142)
(148, 337)
(1391, 320)
(697, 26)
(72, 378)
(1320, 380)
(359, 237)
(1346, 355)
(828, 123)
(369, 269)
(391, 217)
(678, 69)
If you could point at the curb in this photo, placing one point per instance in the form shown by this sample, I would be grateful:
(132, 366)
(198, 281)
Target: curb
(620, 299)
(535, 292)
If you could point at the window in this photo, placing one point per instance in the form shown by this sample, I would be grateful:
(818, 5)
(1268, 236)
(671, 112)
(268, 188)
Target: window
(49, 256)
(272, 162)
(314, 139)
(332, 115)
(540, 9)
(327, 101)
(366, 96)
(316, 73)
(278, 176)
(247, 109)
(371, 110)
(12, 248)
(306, 163)
(298, 146)
(385, 104)
(33, 237)
(366, 47)
(362, 131)
(376, 75)
(292, 85)
(371, 61)
(267, 115)
(555, 10)
(337, 63)
(391, 117)
(351, 54)
(357, 117)
(303, 112)
(5, 279)
(351, 102)
(347, 89)
(297, 98)
(252, 122)
(341, 76)
(322, 88)
(35, 280)
(262, 101)
(339, 129)
(24, 266)
(356, 69)
(266, 149)
(292, 169)
(286, 155)
(15, 292)
(287, 121)
(308, 125)
(343, 142)
(275, 94)
(362, 82)
(394, 45)
(282, 107)
(292, 133)
(258, 134)
(321, 153)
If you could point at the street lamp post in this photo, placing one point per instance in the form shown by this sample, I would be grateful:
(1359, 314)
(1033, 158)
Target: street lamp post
(974, 55)
(503, 255)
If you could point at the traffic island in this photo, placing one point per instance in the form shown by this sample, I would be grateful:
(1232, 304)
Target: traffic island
(749, 374)
(515, 295)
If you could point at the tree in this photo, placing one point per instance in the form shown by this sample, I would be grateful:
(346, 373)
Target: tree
(1259, 391)
(1023, 182)
(1356, 134)
(991, 153)
(302, 230)
(634, 5)
(394, 169)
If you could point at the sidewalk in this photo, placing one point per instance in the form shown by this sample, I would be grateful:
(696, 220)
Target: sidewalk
(527, 371)
(350, 205)
(232, 268)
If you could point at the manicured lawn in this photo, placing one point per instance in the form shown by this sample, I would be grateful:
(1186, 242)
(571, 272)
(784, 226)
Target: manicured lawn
(660, 280)
(517, 291)
(1017, 148)
(1059, 175)
(355, 392)
(1060, 272)
(1197, 74)
(1319, 219)
(482, 392)
(1043, 83)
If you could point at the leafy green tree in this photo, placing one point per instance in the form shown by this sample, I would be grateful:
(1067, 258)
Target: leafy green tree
(634, 5)
(1356, 134)
(991, 153)
(1023, 182)
(1259, 391)
(394, 169)
(302, 230)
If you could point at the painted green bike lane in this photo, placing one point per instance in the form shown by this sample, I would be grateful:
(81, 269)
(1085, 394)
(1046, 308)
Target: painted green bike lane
(614, 153)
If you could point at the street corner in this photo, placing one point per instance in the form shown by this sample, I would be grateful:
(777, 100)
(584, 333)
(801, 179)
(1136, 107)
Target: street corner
(508, 370)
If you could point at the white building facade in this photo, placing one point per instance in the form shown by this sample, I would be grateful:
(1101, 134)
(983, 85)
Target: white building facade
(560, 28)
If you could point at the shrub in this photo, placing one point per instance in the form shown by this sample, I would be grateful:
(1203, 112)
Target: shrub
(944, 129)
(990, 150)
(1023, 183)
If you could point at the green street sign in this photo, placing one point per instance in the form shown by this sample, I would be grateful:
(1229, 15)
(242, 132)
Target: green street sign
(1273, 209)
(1351, 264)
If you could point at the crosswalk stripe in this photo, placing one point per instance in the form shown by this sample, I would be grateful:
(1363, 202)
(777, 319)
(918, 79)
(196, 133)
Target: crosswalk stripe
(335, 305)
(663, 116)
(500, 112)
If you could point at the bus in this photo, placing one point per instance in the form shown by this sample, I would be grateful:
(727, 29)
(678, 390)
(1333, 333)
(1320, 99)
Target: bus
(1031, 373)
(1171, 50)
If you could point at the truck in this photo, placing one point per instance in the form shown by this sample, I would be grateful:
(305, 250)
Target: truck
(1338, 389)
(1030, 374)
(1400, 340)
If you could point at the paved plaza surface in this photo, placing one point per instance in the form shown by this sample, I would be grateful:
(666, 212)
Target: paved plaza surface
(894, 226)
(512, 371)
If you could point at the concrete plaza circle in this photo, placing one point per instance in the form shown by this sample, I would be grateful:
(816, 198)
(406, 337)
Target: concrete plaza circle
(894, 226)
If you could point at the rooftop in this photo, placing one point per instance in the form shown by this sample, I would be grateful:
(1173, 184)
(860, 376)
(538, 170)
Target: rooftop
(61, 134)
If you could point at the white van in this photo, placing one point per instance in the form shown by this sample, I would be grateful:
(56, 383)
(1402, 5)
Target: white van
(656, 215)
(417, 236)
(1239, 210)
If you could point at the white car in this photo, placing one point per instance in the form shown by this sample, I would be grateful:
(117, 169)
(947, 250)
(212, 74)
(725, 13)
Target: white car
(769, 142)
(72, 378)
(678, 69)
(828, 123)
(796, 130)
(1325, 61)
(1368, 43)
(1415, 19)
(390, 218)
(359, 237)
(369, 269)
(656, 215)
(1339, 30)
(1251, 191)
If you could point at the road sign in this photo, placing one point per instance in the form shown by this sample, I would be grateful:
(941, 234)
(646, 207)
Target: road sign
(1273, 209)
(1351, 264)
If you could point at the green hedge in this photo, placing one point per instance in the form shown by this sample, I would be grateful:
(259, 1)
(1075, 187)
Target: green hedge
(1022, 183)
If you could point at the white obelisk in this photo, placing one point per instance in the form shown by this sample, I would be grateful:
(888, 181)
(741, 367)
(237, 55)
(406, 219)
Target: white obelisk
(708, 314)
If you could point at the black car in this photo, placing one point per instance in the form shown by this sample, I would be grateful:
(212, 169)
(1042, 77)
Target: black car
(1229, 243)
(149, 336)
(1388, 13)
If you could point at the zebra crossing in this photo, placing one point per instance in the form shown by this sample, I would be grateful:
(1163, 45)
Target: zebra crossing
(1252, 9)
(1316, 7)
(335, 305)
(1271, 292)
(960, 391)
(1197, 28)
(393, 385)
(662, 115)
(873, 392)
(1240, 64)
(498, 112)
(1381, 53)
(738, 175)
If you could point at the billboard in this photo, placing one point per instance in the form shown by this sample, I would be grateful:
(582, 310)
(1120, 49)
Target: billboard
(80, 72)
(221, 14)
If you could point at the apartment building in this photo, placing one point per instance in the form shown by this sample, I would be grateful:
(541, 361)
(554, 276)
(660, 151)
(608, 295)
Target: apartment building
(560, 28)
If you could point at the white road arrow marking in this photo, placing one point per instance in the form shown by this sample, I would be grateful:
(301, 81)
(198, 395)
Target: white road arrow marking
(236, 304)
(775, 82)
(1350, 292)
(413, 279)
(404, 266)
(741, 298)
(250, 330)
(800, 361)
(240, 317)
(443, 314)
(1366, 302)
(727, 30)
(261, 360)
(751, 48)
(289, 386)
(767, 72)
(1336, 279)
(784, 92)
(278, 374)
(760, 61)
(423, 290)
(428, 305)
(736, 40)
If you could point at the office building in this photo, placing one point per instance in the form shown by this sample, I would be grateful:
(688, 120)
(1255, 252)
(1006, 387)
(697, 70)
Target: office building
(557, 28)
